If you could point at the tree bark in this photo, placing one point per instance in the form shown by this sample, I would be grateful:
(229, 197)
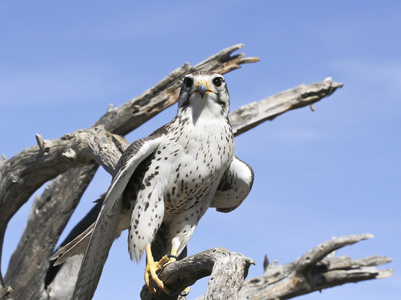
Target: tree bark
(227, 272)
(315, 270)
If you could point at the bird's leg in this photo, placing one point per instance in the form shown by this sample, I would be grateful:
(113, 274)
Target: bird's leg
(153, 267)
(173, 258)
(173, 255)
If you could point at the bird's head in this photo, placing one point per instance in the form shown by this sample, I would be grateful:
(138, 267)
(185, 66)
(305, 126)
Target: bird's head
(204, 90)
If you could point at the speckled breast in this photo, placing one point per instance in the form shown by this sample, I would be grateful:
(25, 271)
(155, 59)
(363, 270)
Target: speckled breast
(195, 163)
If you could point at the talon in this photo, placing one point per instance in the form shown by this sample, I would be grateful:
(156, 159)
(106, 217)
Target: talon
(185, 292)
(152, 268)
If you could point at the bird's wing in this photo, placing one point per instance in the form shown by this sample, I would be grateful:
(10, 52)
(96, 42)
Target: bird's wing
(75, 247)
(234, 186)
(108, 219)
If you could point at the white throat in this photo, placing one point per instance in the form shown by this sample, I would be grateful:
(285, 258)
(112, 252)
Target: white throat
(204, 109)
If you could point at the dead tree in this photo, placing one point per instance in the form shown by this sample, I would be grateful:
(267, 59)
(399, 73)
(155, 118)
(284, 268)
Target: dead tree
(69, 164)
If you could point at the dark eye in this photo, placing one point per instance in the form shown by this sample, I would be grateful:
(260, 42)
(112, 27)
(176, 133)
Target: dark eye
(218, 81)
(188, 82)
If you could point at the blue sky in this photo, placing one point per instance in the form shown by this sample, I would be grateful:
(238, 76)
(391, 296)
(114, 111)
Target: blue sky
(319, 174)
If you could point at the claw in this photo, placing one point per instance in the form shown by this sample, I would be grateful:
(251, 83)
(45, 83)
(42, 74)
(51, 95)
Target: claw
(151, 270)
(185, 292)
(153, 267)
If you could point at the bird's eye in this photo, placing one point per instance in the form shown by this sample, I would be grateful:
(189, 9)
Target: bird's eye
(218, 81)
(188, 82)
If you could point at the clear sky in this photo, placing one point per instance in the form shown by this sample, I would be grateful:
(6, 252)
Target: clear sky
(332, 172)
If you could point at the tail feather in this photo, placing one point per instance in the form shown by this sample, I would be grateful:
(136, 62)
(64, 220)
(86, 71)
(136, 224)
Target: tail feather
(76, 246)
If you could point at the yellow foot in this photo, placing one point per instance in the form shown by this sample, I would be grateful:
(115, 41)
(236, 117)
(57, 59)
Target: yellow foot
(153, 267)
(185, 292)
(151, 270)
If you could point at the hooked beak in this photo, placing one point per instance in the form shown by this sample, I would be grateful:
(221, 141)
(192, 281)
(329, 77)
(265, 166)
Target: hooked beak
(202, 88)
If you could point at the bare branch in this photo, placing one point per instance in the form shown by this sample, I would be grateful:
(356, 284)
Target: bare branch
(24, 173)
(315, 271)
(227, 272)
(310, 258)
(252, 114)
(278, 281)
(50, 211)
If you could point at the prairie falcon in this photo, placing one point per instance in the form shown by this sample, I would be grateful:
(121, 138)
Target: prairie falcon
(171, 177)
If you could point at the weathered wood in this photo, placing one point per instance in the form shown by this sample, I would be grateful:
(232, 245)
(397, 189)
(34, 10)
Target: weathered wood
(30, 261)
(62, 287)
(317, 269)
(50, 158)
(227, 272)
(80, 148)
(252, 114)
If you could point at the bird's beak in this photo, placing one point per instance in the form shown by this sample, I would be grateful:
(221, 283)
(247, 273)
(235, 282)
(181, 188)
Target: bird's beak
(202, 87)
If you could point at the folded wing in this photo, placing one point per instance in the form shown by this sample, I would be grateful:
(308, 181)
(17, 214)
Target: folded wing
(234, 186)
(103, 232)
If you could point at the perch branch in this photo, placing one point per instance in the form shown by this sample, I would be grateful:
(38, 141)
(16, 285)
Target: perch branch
(227, 272)
(317, 269)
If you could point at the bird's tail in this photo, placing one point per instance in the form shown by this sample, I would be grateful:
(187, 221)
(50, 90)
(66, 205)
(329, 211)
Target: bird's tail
(76, 246)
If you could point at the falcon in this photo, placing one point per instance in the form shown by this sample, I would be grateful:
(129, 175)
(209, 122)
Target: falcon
(169, 178)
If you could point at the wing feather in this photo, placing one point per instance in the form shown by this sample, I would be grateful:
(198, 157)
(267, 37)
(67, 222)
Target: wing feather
(108, 219)
(234, 186)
